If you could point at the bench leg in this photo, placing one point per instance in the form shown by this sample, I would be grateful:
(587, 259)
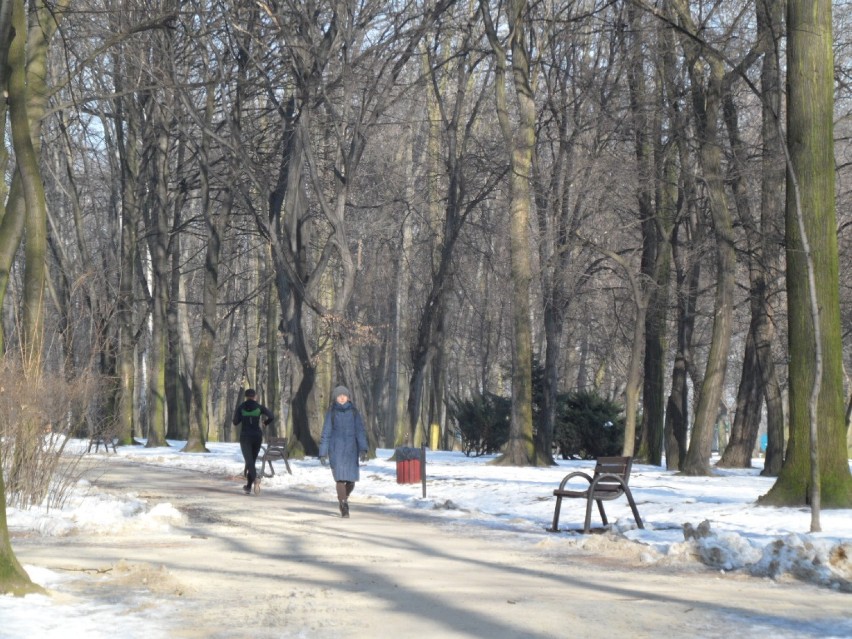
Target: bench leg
(587, 523)
(601, 511)
(633, 507)
(555, 526)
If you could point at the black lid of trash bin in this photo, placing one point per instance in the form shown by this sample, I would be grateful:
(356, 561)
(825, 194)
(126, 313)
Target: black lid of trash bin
(406, 453)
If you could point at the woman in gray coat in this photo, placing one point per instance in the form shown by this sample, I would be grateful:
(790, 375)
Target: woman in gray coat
(343, 442)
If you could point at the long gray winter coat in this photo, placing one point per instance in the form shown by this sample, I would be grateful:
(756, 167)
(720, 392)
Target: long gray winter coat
(343, 439)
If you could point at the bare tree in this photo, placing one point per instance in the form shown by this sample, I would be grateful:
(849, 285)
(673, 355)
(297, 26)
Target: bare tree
(17, 40)
(707, 73)
(519, 138)
(454, 112)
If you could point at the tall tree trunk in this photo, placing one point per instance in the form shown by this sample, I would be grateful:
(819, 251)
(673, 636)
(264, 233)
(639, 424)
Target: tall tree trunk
(126, 121)
(644, 130)
(706, 102)
(199, 419)
(273, 374)
(558, 221)
(446, 124)
(750, 394)
(396, 427)
(158, 243)
(251, 316)
(687, 236)
(26, 156)
(812, 272)
(178, 365)
(769, 24)
(126, 348)
(35, 224)
(13, 578)
(688, 271)
(653, 392)
(520, 143)
(288, 237)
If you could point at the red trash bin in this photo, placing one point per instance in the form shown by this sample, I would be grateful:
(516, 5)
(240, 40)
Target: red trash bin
(408, 471)
(407, 465)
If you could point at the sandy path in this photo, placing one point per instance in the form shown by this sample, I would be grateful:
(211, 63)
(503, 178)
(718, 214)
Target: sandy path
(284, 564)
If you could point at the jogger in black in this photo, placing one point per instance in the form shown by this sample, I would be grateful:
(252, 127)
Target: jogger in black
(251, 436)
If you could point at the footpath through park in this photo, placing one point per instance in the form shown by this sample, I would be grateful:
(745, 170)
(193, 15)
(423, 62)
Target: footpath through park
(285, 564)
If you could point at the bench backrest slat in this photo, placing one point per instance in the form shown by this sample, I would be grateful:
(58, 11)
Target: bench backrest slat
(613, 466)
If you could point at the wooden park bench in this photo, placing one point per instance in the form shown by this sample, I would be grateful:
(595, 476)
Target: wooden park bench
(97, 442)
(274, 450)
(609, 482)
(102, 437)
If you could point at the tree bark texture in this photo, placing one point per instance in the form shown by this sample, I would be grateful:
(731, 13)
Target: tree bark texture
(810, 91)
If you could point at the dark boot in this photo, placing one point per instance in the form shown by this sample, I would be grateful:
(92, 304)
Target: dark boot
(344, 509)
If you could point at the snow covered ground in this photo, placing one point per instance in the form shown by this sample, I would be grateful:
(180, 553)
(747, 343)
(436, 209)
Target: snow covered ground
(729, 532)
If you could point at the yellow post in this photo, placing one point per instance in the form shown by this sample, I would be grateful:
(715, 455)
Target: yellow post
(434, 436)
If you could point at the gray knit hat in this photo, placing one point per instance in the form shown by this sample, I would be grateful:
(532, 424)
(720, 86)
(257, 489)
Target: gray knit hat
(340, 390)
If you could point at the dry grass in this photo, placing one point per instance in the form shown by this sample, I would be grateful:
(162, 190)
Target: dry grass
(37, 415)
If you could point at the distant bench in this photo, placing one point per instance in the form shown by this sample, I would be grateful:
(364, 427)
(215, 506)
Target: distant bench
(107, 440)
(609, 482)
(274, 450)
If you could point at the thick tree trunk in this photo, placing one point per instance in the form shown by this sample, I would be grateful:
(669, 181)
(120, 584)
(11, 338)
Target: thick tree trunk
(13, 578)
(35, 226)
(811, 205)
(520, 142)
(35, 223)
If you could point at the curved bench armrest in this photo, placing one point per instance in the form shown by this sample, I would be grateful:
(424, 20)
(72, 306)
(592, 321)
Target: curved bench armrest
(569, 476)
